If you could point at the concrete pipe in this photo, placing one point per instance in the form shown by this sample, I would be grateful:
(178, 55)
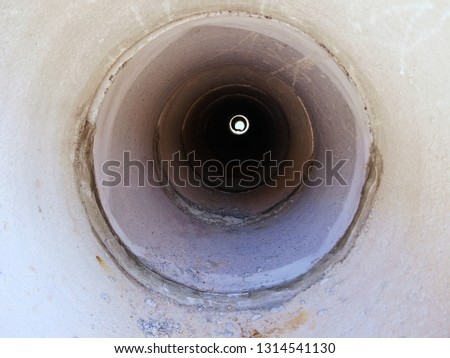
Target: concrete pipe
(225, 169)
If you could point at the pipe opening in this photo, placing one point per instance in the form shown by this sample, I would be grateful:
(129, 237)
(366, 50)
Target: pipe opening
(215, 90)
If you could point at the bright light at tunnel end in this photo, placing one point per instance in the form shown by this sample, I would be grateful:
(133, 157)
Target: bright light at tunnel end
(239, 124)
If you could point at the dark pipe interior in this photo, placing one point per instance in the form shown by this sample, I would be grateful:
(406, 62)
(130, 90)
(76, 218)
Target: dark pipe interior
(239, 159)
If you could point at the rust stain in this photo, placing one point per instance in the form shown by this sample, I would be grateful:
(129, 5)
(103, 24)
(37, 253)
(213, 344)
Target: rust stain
(102, 263)
(37, 184)
(299, 320)
(255, 334)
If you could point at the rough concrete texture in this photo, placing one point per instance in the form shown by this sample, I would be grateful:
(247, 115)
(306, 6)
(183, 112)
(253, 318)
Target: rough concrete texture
(56, 279)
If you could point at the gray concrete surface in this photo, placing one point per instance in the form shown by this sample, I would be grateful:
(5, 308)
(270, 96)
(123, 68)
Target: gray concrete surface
(56, 278)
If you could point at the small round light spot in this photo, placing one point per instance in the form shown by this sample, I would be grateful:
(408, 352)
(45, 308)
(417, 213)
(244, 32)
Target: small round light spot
(239, 124)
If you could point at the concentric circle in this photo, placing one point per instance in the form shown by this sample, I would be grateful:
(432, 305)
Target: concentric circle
(191, 100)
